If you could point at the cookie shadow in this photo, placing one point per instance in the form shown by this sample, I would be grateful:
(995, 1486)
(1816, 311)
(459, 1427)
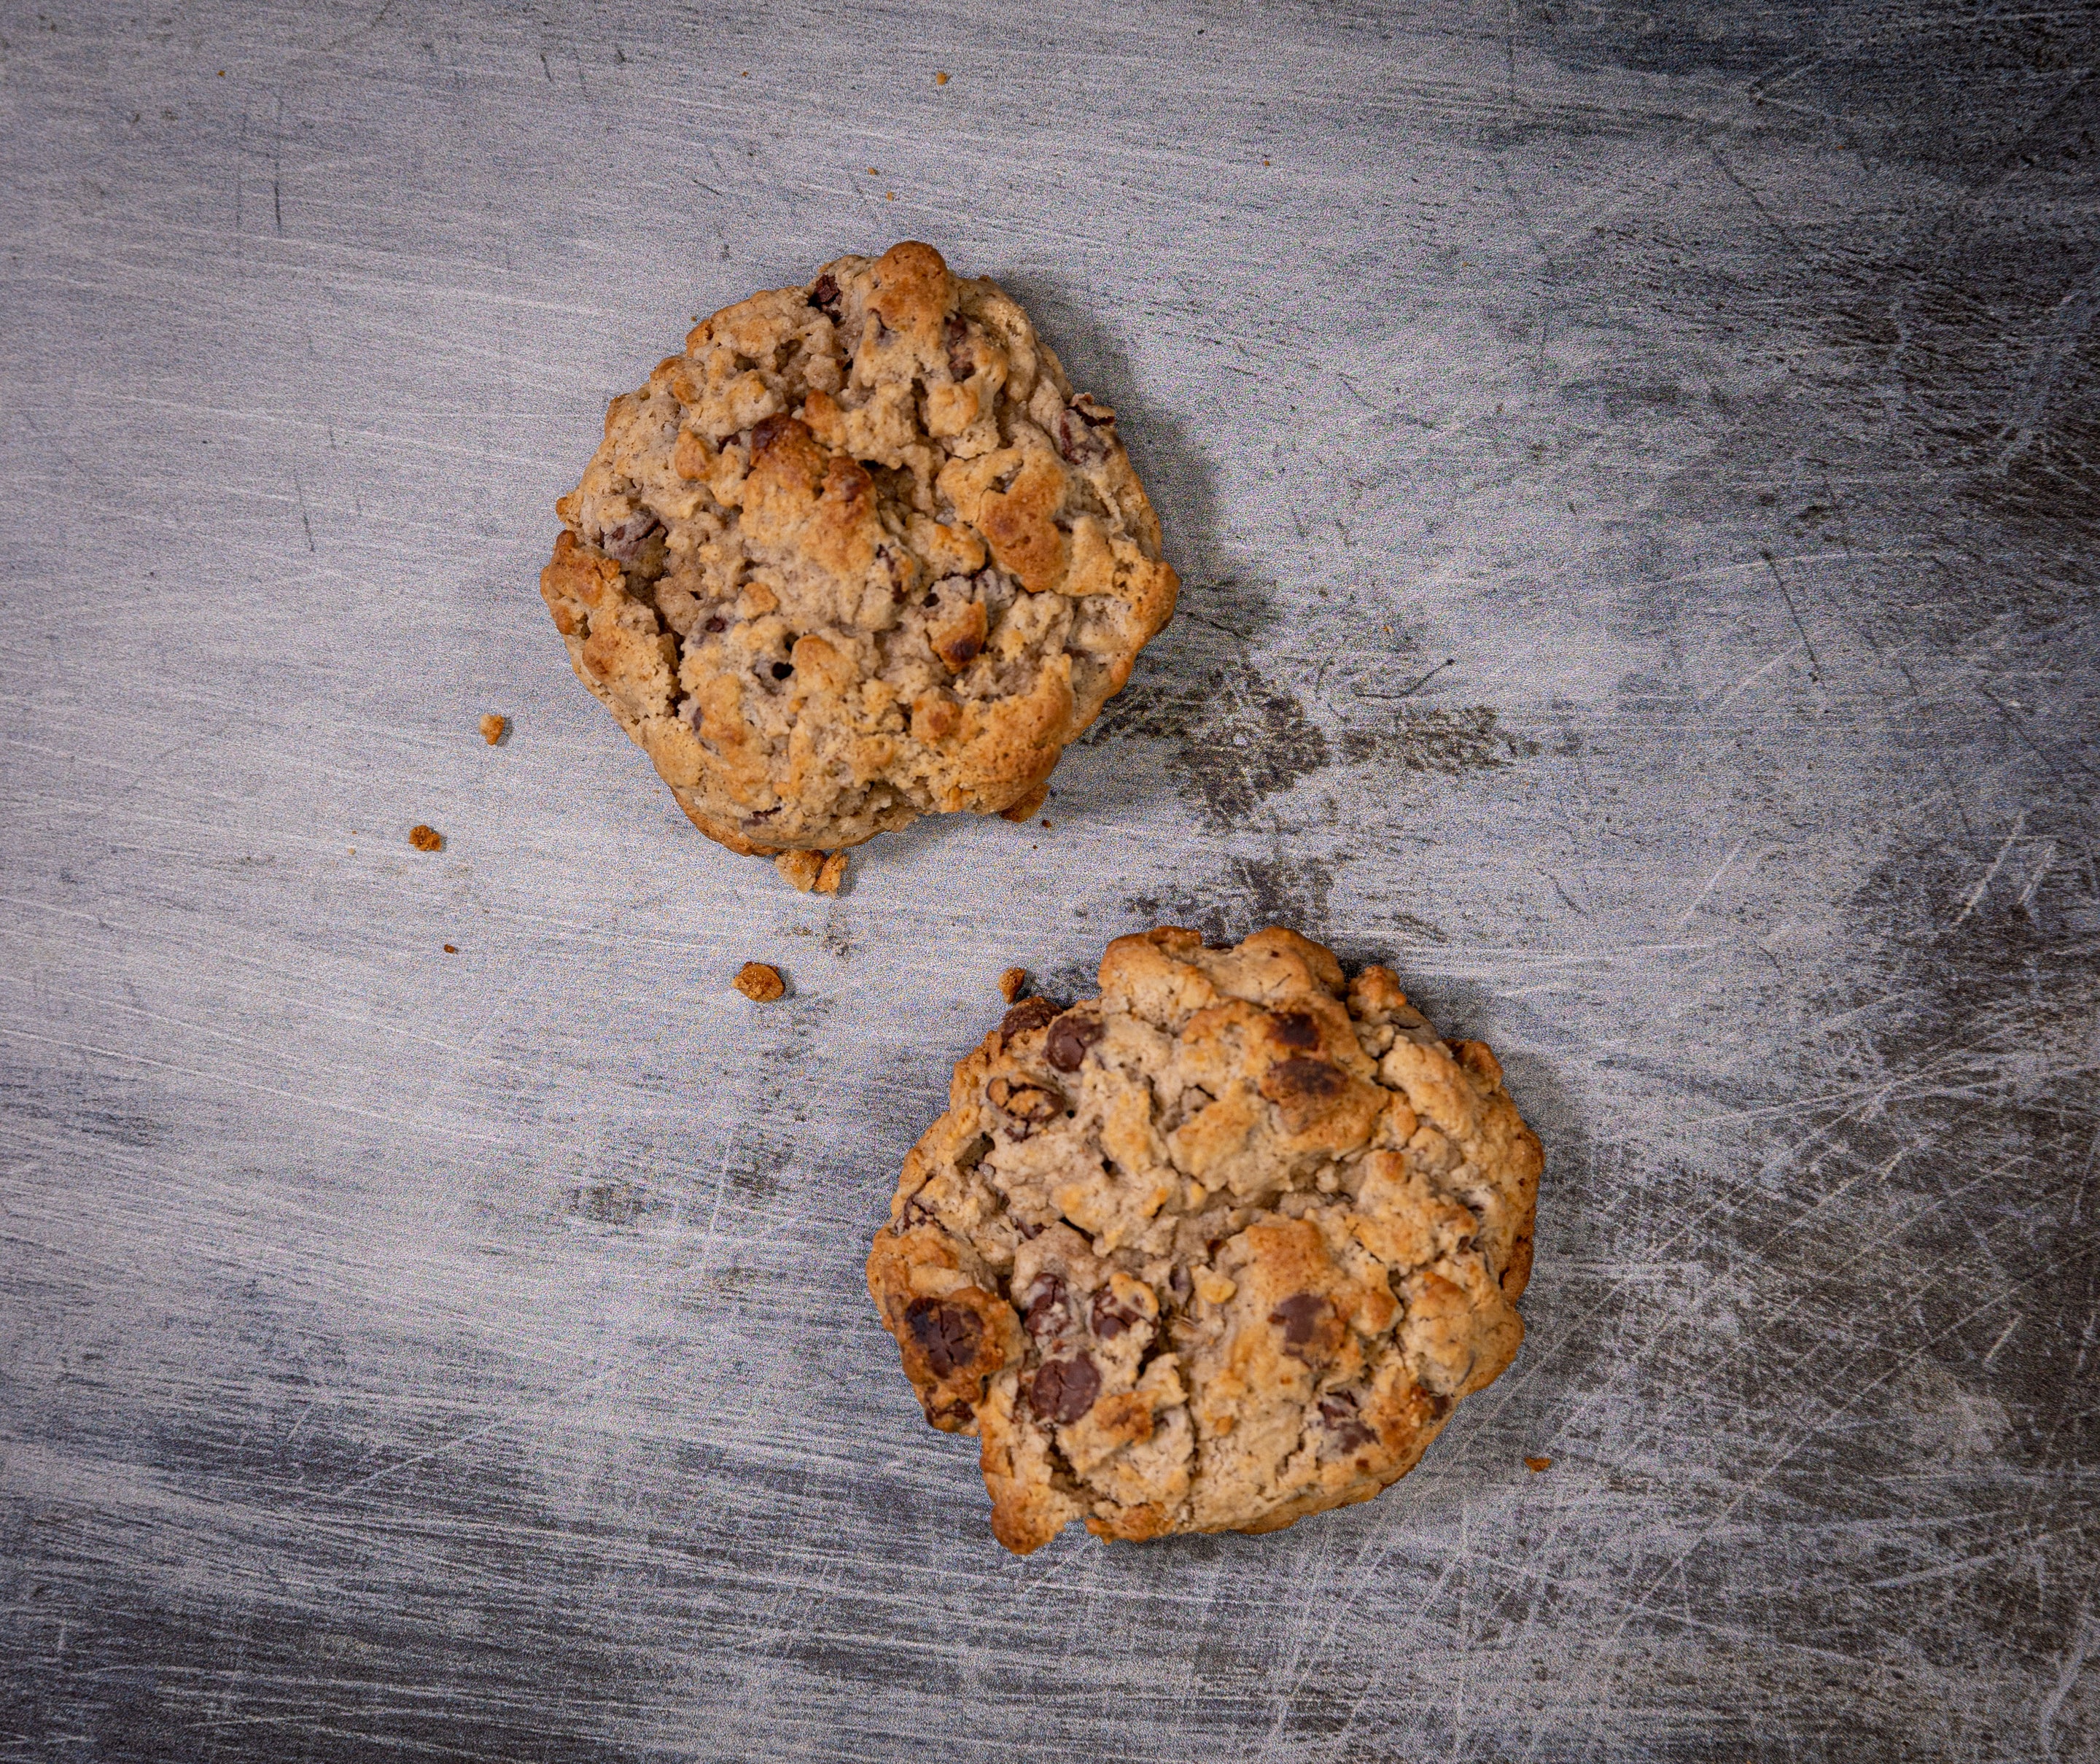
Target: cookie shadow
(1219, 583)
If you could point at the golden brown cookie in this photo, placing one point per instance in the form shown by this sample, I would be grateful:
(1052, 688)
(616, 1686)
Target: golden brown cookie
(859, 554)
(1216, 1249)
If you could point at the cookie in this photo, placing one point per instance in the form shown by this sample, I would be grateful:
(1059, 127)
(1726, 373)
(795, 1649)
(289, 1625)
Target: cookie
(1215, 1250)
(859, 554)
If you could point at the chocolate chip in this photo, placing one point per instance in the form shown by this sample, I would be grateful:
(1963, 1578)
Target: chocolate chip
(1179, 1284)
(1075, 441)
(1339, 1411)
(626, 540)
(932, 598)
(1029, 1233)
(1303, 1081)
(1294, 1029)
(897, 577)
(946, 1334)
(1069, 1037)
(1029, 1103)
(1111, 1318)
(1065, 1390)
(1299, 1317)
(1031, 1013)
(956, 335)
(876, 329)
(1046, 1313)
(718, 623)
(824, 296)
(1439, 1404)
(781, 670)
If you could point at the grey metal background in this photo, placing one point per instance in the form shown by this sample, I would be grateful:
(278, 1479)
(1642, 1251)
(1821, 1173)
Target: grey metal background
(1633, 476)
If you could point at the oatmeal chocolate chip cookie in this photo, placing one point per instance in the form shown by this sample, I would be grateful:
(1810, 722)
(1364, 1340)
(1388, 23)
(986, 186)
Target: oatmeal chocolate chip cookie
(1216, 1249)
(859, 554)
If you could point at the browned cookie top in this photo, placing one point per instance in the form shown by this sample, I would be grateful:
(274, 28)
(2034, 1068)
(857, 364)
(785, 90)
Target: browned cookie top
(1212, 1251)
(860, 553)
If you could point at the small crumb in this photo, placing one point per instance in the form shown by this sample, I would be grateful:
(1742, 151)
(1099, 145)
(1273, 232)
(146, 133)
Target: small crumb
(890, 196)
(1046, 826)
(494, 728)
(759, 983)
(1536, 1464)
(452, 949)
(833, 873)
(800, 868)
(1011, 982)
(940, 79)
(874, 171)
(426, 839)
(1265, 162)
(222, 73)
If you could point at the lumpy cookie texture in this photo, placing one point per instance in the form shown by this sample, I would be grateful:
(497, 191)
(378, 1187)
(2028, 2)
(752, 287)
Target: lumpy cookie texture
(1215, 1250)
(861, 553)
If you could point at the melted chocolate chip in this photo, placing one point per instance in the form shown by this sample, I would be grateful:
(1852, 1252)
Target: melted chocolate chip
(1029, 1233)
(1179, 1284)
(1028, 1104)
(1076, 441)
(932, 598)
(718, 623)
(1110, 1318)
(956, 335)
(1299, 1317)
(1303, 1081)
(1065, 1390)
(781, 670)
(1295, 1029)
(824, 296)
(1045, 1314)
(1031, 1013)
(1339, 1411)
(1069, 1037)
(946, 1334)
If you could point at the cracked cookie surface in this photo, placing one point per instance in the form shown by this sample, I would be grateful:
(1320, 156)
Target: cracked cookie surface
(859, 554)
(1213, 1251)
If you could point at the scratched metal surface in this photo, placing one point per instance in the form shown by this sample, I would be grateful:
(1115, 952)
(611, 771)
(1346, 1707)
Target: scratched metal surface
(1634, 474)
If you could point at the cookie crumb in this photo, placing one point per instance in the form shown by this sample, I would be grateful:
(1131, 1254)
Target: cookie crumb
(800, 868)
(1046, 826)
(1536, 1464)
(426, 839)
(759, 983)
(451, 949)
(940, 79)
(494, 728)
(1011, 982)
(833, 873)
